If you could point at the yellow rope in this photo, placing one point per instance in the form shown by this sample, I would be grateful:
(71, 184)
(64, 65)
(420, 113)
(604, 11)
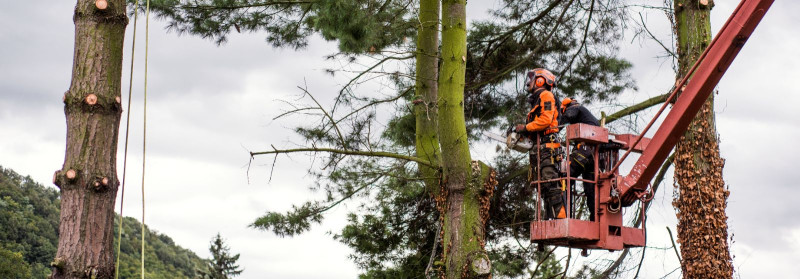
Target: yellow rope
(144, 135)
(127, 132)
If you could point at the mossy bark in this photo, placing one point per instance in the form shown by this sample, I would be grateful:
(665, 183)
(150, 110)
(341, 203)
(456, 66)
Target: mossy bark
(426, 90)
(463, 186)
(701, 196)
(93, 110)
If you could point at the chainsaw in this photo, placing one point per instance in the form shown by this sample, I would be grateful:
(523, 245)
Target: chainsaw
(513, 140)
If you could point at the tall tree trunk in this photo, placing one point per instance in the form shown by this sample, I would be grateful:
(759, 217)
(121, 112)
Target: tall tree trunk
(88, 179)
(464, 180)
(701, 197)
(426, 91)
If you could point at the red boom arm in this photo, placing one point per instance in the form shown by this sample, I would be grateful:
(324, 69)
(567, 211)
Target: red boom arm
(709, 70)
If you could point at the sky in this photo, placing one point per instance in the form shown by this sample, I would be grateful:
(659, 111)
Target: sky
(209, 105)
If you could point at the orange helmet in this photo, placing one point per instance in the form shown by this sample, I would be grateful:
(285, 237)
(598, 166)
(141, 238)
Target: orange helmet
(565, 103)
(539, 77)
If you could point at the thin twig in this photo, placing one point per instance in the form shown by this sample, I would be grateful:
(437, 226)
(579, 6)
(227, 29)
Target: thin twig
(644, 26)
(333, 122)
(568, 69)
(673, 246)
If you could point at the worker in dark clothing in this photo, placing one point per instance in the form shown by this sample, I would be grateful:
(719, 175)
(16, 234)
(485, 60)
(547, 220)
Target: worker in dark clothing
(542, 124)
(581, 160)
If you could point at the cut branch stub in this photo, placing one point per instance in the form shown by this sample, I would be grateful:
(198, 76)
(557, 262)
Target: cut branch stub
(118, 99)
(91, 99)
(64, 98)
(481, 265)
(101, 4)
(71, 174)
(104, 181)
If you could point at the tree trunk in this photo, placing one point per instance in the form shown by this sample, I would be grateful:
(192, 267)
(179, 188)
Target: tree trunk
(464, 180)
(426, 91)
(701, 197)
(88, 179)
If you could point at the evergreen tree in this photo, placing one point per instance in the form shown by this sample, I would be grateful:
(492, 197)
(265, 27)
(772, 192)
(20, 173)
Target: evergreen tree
(397, 229)
(88, 177)
(222, 264)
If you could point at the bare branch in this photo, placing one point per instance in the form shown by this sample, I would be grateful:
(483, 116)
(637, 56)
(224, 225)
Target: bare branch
(637, 107)
(346, 86)
(333, 122)
(644, 26)
(382, 154)
(674, 247)
(244, 6)
(583, 42)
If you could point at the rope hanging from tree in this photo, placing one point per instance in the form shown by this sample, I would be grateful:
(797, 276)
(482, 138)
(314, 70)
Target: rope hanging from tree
(127, 132)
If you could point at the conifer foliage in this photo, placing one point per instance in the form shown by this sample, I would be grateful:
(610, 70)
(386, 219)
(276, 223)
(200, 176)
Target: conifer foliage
(222, 264)
(381, 169)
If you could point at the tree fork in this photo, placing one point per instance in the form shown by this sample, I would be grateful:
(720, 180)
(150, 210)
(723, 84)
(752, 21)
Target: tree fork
(88, 179)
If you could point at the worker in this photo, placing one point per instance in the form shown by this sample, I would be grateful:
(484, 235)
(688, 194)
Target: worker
(581, 159)
(542, 125)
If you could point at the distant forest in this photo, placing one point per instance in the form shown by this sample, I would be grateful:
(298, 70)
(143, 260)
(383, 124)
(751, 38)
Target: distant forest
(29, 216)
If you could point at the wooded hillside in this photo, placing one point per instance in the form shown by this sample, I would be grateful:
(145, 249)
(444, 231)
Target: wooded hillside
(29, 214)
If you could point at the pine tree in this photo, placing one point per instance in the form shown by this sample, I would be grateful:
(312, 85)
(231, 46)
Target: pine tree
(88, 179)
(399, 232)
(222, 264)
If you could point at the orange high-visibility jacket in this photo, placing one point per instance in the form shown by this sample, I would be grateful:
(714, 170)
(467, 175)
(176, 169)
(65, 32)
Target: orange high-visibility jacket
(544, 116)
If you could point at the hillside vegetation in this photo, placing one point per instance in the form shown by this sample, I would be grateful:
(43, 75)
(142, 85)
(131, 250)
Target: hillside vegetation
(29, 216)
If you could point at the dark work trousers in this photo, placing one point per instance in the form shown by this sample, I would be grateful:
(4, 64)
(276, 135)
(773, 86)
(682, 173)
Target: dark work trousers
(551, 192)
(581, 163)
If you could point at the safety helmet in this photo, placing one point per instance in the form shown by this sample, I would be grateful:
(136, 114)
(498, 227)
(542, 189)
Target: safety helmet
(538, 78)
(565, 103)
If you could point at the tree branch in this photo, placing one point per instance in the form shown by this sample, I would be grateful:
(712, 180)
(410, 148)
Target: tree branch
(644, 26)
(382, 154)
(583, 42)
(637, 107)
(341, 91)
(235, 7)
(505, 35)
(529, 56)
(333, 122)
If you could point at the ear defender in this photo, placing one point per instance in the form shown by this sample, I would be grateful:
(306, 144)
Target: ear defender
(539, 82)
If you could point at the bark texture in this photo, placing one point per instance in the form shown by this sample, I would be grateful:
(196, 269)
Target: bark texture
(93, 116)
(426, 90)
(465, 183)
(701, 196)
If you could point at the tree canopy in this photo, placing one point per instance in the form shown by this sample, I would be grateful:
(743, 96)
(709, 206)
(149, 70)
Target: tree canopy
(394, 227)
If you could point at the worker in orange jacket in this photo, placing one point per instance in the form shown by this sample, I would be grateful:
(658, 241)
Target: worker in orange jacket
(542, 126)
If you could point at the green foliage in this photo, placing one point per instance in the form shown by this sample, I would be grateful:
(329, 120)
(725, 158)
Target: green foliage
(28, 221)
(29, 217)
(393, 232)
(13, 266)
(294, 222)
(359, 26)
(222, 265)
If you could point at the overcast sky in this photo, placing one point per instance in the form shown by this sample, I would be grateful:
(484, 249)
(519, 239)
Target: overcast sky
(209, 105)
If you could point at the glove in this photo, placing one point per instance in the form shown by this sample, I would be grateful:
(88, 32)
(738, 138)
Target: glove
(520, 128)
